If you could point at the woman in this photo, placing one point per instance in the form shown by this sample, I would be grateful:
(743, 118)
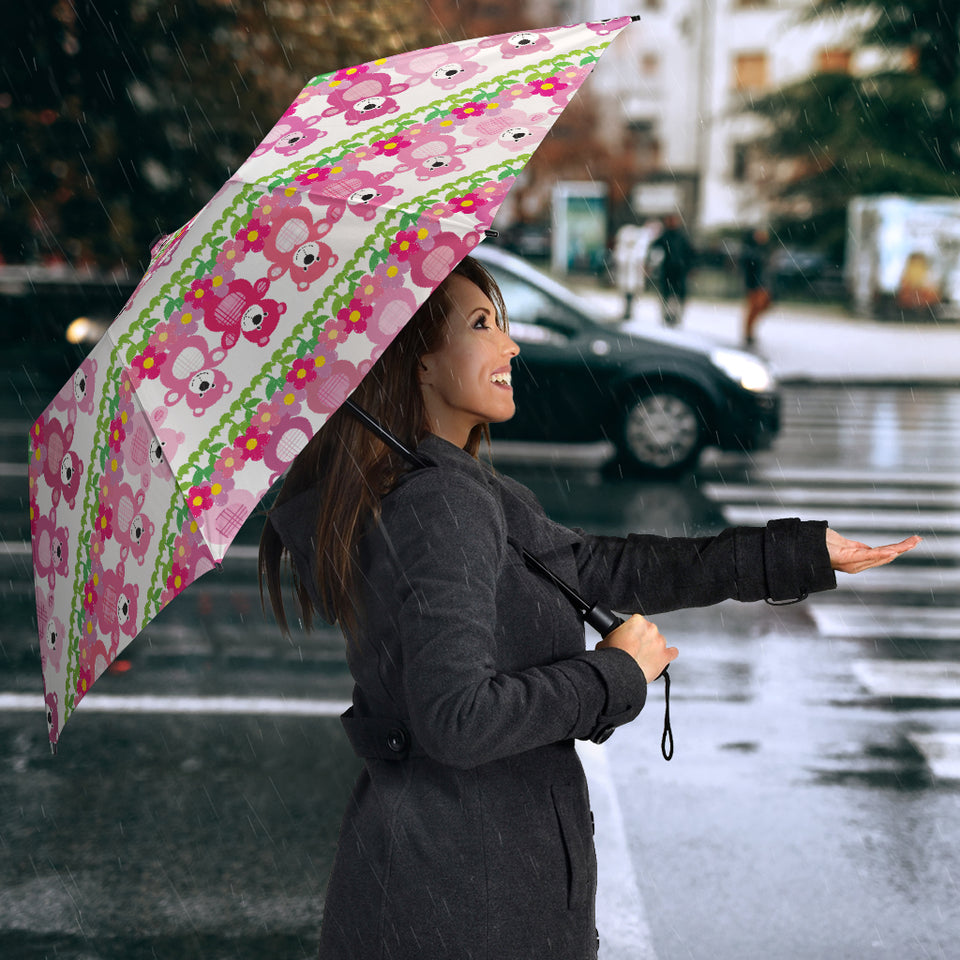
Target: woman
(754, 262)
(468, 833)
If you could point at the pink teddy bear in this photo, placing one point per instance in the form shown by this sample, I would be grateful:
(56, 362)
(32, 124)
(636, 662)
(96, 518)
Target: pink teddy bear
(431, 154)
(511, 128)
(190, 374)
(50, 548)
(293, 245)
(116, 609)
(244, 311)
(367, 97)
(62, 468)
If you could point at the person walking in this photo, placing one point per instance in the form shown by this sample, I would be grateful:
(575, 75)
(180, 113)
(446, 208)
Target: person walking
(676, 255)
(754, 262)
(468, 832)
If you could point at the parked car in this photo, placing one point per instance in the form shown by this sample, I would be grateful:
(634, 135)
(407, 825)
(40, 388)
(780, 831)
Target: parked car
(659, 397)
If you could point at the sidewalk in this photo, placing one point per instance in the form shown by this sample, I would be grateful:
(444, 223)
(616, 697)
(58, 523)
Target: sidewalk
(810, 342)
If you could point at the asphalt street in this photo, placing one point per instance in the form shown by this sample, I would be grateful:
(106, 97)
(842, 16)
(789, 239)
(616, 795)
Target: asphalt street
(812, 808)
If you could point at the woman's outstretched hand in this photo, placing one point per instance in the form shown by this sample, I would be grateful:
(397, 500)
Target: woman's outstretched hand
(849, 556)
(644, 642)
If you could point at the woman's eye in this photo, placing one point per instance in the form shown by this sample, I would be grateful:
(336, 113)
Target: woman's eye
(480, 323)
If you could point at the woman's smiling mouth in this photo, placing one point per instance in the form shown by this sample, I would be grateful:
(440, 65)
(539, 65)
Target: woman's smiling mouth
(501, 378)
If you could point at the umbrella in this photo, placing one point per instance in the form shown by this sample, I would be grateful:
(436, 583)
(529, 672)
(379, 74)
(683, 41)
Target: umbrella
(257, 318)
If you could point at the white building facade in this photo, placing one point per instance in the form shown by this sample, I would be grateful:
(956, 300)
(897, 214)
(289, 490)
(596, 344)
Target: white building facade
(680, 80)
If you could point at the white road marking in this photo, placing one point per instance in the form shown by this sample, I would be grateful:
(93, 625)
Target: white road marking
(910, 679)
(621, 915)
(149, 703)
(941, 751)
(906, 623)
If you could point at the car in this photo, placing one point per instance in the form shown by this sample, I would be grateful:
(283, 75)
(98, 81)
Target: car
(659, 397)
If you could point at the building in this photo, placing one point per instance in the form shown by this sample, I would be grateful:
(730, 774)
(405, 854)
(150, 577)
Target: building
(675, 87)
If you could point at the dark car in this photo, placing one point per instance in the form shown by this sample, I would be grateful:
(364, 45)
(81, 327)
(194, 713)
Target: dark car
(659, 397)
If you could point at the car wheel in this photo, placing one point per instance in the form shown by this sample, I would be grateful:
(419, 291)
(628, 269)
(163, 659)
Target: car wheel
(661, 432)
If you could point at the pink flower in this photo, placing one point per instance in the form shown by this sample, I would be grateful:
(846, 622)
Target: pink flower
(266, 417)
(177, 578)
(230, 253)
(199, 499)
(389, 148)
(301, 373)
(89, 596)
(198, 290)
(117, 433)
(314, 175)
(252, 443)
(356, 314)
(548, 87)
(147, 364)
(334, 331)
(405, 244)
(468, 203)
(227, 463)
(103, 528)
(471, 109)
(252, 235)
(348, 73)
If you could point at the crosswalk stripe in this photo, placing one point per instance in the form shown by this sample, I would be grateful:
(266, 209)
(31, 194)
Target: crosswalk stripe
(921, 522)
(910, 679)
(941, 751)
(829, 496)
(883, 621)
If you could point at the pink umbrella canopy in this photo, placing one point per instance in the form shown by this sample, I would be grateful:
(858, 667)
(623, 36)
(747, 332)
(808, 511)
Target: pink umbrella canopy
(257, 319)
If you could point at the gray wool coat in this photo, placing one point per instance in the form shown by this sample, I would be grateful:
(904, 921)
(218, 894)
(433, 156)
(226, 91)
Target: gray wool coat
(468, 835)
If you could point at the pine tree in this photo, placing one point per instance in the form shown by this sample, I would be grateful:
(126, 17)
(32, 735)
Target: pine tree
(895, 129)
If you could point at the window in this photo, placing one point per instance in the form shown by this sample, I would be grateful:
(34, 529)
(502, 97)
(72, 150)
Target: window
(750, 72)
(834, 60)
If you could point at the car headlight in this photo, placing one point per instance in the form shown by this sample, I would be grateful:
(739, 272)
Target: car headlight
(744, 368)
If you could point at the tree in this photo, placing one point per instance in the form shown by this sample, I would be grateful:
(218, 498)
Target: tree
(120, 118)
(894, 129)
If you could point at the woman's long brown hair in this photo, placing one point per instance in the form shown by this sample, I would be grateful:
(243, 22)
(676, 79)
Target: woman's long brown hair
(353, 470)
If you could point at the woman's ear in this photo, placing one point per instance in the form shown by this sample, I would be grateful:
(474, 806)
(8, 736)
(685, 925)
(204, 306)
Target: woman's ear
(425, 373)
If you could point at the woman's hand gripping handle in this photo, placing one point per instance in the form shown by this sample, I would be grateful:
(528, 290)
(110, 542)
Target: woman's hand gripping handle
(644, 642)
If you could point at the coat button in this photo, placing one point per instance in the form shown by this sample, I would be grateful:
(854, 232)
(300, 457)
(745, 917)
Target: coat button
(603, 734)
(397, 739)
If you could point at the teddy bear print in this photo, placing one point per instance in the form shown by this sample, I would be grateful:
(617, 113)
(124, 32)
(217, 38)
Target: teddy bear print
(116, 610)
(52, 703)
(52, 632)
(62, 468)
(244, 311)
(362, 192)
(190, 374)
(293, 245)
(518, 44)
(50, 549)
(368, 97)
(290, 135)
(132, 529)
(431, 154)
(445, 66)
(147, 444)
(511, 128)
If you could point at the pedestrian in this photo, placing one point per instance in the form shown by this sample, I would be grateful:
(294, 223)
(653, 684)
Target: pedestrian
(629, 254)
(468, 832)
(676, 255)
(754, 261)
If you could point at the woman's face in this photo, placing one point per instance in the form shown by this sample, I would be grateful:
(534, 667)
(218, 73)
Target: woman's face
(466, 381)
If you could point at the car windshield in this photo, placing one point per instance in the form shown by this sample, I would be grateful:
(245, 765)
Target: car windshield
(529, 305)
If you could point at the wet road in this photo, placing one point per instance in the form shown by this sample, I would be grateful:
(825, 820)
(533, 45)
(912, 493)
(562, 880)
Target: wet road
(812, 808)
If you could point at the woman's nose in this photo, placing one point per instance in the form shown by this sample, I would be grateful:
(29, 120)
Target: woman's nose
(510, 347)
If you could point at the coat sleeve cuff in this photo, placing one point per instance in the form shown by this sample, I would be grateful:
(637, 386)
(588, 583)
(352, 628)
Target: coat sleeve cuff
(796, 559)
(625, 686)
